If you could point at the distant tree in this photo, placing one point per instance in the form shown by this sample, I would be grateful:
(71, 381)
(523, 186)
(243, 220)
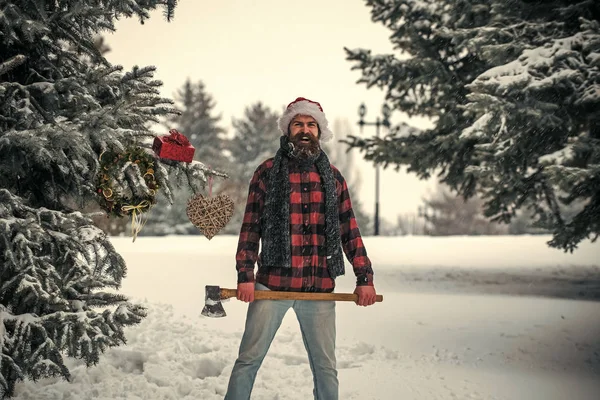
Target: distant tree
(447, 214)
(524, 222)
(58, 115)
(511, 87)
(255, 139)
(197, 122)
(408, 224)
(344, 161)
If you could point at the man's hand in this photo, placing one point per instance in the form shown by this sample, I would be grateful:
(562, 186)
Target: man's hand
(366, 295)
(245, 292)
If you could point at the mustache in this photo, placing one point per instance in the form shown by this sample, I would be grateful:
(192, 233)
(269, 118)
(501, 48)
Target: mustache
(299, 136)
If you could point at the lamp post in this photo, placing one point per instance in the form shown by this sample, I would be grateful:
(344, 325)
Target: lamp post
(385, 121)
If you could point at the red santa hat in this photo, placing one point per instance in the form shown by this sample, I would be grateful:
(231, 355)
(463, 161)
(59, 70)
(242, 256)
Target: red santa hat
(302, 106)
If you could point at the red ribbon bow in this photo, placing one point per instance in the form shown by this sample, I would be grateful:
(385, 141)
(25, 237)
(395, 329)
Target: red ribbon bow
(177, 138)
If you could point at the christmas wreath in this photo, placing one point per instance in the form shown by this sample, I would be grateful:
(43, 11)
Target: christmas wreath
(116, 199)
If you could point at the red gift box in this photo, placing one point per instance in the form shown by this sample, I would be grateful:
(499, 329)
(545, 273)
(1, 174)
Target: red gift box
(174, 147)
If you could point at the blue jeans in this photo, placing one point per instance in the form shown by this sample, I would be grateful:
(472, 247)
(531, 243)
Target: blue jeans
(317, 324)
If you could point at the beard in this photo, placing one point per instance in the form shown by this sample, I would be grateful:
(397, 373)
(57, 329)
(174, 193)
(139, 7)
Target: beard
(304, 150)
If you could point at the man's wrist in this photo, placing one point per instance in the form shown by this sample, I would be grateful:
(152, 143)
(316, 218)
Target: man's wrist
(245, 277)
(364, 280)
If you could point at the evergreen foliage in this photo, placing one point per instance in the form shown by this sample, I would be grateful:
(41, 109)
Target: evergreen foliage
(62, 104)
(513, 89)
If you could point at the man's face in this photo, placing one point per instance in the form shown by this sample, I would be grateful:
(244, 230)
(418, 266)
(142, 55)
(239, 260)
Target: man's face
(304, 124)
(304, 134)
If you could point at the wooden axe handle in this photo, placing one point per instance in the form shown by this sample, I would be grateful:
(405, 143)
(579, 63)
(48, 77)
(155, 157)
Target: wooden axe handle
(274, 295)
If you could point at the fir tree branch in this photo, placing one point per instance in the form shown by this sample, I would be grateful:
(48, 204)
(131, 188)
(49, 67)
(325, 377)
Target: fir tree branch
(12, 63)
(42, 112)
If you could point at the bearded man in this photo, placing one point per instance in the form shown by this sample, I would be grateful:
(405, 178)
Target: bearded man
(300, 211)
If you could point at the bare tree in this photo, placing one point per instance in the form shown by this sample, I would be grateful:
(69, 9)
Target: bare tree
(447, 214)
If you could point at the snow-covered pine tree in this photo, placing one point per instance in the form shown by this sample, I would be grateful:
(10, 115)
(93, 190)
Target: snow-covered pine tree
(197, 122)
(512, 89)
(62, 105)
(428, 79)
(255, 139)
(537, 133)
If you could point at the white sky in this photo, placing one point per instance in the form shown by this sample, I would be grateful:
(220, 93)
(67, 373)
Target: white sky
(440, 332)
(273, 51)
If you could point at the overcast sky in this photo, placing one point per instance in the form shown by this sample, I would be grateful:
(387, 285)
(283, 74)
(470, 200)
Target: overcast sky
(273, 51)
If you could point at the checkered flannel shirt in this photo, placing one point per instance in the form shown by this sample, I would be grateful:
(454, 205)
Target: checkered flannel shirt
(308, 272)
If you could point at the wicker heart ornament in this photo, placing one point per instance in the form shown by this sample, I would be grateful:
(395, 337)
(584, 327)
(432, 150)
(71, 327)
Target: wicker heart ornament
(210, 214)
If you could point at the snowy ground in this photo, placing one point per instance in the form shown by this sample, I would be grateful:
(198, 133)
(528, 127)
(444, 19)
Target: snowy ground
(492, 318)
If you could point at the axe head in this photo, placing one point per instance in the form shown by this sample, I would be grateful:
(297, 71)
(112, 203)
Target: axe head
(213, 307)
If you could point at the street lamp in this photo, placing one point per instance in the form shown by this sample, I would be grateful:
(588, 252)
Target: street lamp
(385, 112)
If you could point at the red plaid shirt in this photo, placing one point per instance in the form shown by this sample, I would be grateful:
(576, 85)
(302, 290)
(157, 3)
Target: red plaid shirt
(308, 272)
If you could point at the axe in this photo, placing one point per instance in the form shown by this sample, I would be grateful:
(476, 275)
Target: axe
(214, 294)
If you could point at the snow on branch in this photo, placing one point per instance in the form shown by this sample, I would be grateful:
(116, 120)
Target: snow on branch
(537, 68)
(12, 63)
(478, 129)
(558, 157)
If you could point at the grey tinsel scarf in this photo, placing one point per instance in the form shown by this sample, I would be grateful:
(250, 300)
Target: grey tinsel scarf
(276, 236)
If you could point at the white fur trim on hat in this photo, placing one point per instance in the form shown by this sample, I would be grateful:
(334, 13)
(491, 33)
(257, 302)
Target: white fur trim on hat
(302, 106)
